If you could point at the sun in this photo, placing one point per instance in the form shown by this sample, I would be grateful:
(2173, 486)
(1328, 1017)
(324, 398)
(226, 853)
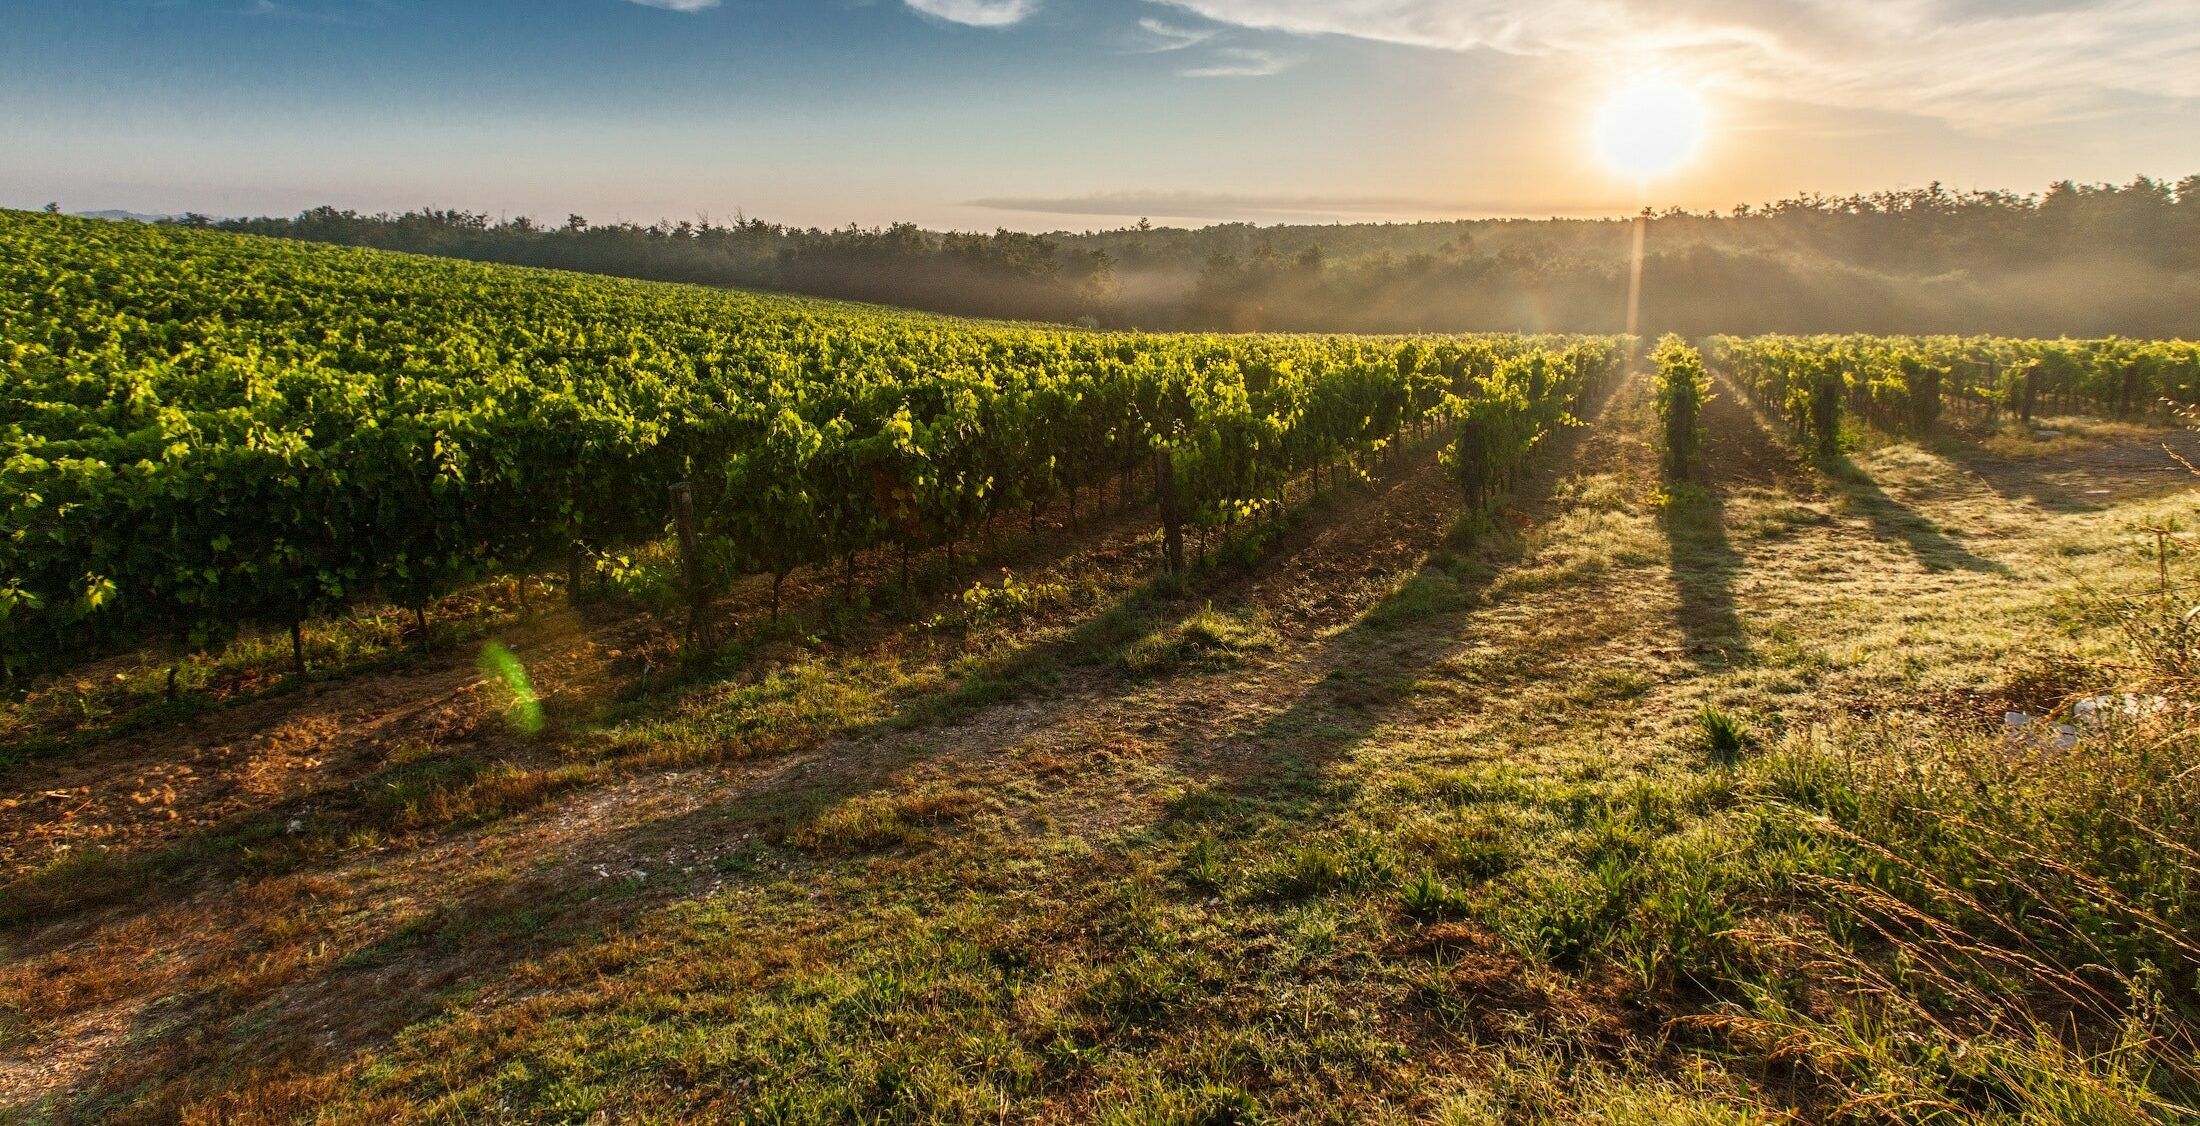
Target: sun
(1650, 127)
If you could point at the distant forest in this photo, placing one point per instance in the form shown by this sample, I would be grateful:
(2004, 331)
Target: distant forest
(2080, 260)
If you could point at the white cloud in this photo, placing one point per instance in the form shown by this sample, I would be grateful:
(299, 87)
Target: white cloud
(678, 5)
(1966, 61)
(1241, 62)
(1169, 37)
(977, 13)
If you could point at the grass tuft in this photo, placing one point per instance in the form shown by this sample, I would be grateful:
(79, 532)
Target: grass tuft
(872, 822)
(1427, 896)
(1723, 738)
(1208, 637)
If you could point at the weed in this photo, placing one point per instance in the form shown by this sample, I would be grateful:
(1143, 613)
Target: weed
(1009, 602)
(1722, 737)
(1202, 867)
(1428, 897)
(1325, 866)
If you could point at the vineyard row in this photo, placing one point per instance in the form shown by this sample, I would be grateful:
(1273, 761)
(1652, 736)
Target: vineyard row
(204, 432)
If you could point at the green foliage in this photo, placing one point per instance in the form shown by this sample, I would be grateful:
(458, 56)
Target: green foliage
(1722, 736)
(203, 431)
(1209, 637)
(1011, 601)
(1327, 865)
(1682, 389)
(1901, 383)
(2055, 257)
(1505, 399)
(1428, 897)
(1822, 412)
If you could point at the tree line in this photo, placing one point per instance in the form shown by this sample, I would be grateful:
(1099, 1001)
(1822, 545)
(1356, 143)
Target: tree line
(2076, 259)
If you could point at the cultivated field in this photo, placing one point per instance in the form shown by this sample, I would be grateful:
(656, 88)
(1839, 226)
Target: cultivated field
(1479, 764)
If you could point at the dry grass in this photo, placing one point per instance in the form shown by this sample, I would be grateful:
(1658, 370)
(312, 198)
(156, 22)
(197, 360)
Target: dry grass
(2064, 435)
(870, 822)
(1369, 829)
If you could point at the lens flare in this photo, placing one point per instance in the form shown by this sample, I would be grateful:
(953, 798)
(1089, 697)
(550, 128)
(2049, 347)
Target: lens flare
(522, 708)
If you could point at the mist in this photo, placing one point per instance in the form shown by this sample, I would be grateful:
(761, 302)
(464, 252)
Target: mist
(2075, 260)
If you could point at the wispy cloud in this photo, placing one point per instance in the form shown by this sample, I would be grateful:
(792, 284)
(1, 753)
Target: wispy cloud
(1970, 62)
(977, 13)
(1169, 37)
(678, 5)
(1241, 62)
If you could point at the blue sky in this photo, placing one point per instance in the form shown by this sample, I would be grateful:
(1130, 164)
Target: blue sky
(1042, 114)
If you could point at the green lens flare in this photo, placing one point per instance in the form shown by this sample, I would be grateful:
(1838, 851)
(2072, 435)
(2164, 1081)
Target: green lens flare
(522, 709)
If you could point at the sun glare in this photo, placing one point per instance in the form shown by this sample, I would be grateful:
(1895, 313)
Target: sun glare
(1649, 127)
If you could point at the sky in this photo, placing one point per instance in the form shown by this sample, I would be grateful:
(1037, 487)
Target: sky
(1067, 114)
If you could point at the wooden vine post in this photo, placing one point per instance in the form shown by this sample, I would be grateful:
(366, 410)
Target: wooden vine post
(1172, 521)
(1925, 405)
(702, 632)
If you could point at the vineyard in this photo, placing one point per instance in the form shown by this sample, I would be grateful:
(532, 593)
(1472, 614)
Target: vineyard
(950, 720)
(1904, 385)
(205, 432)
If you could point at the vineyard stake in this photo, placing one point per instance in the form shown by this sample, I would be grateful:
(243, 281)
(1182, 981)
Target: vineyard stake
(701, 630)
(1172, 525)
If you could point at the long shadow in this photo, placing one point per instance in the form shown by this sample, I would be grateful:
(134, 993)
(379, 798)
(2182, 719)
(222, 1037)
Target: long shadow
(1739, 451)
(473, 942)
(1703, 565)
(266, 840)
(1280, 766)
(473, 939)
(468, 939)
(813, 593)
(1892, 520)
(2085, 481)
(262, 840)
